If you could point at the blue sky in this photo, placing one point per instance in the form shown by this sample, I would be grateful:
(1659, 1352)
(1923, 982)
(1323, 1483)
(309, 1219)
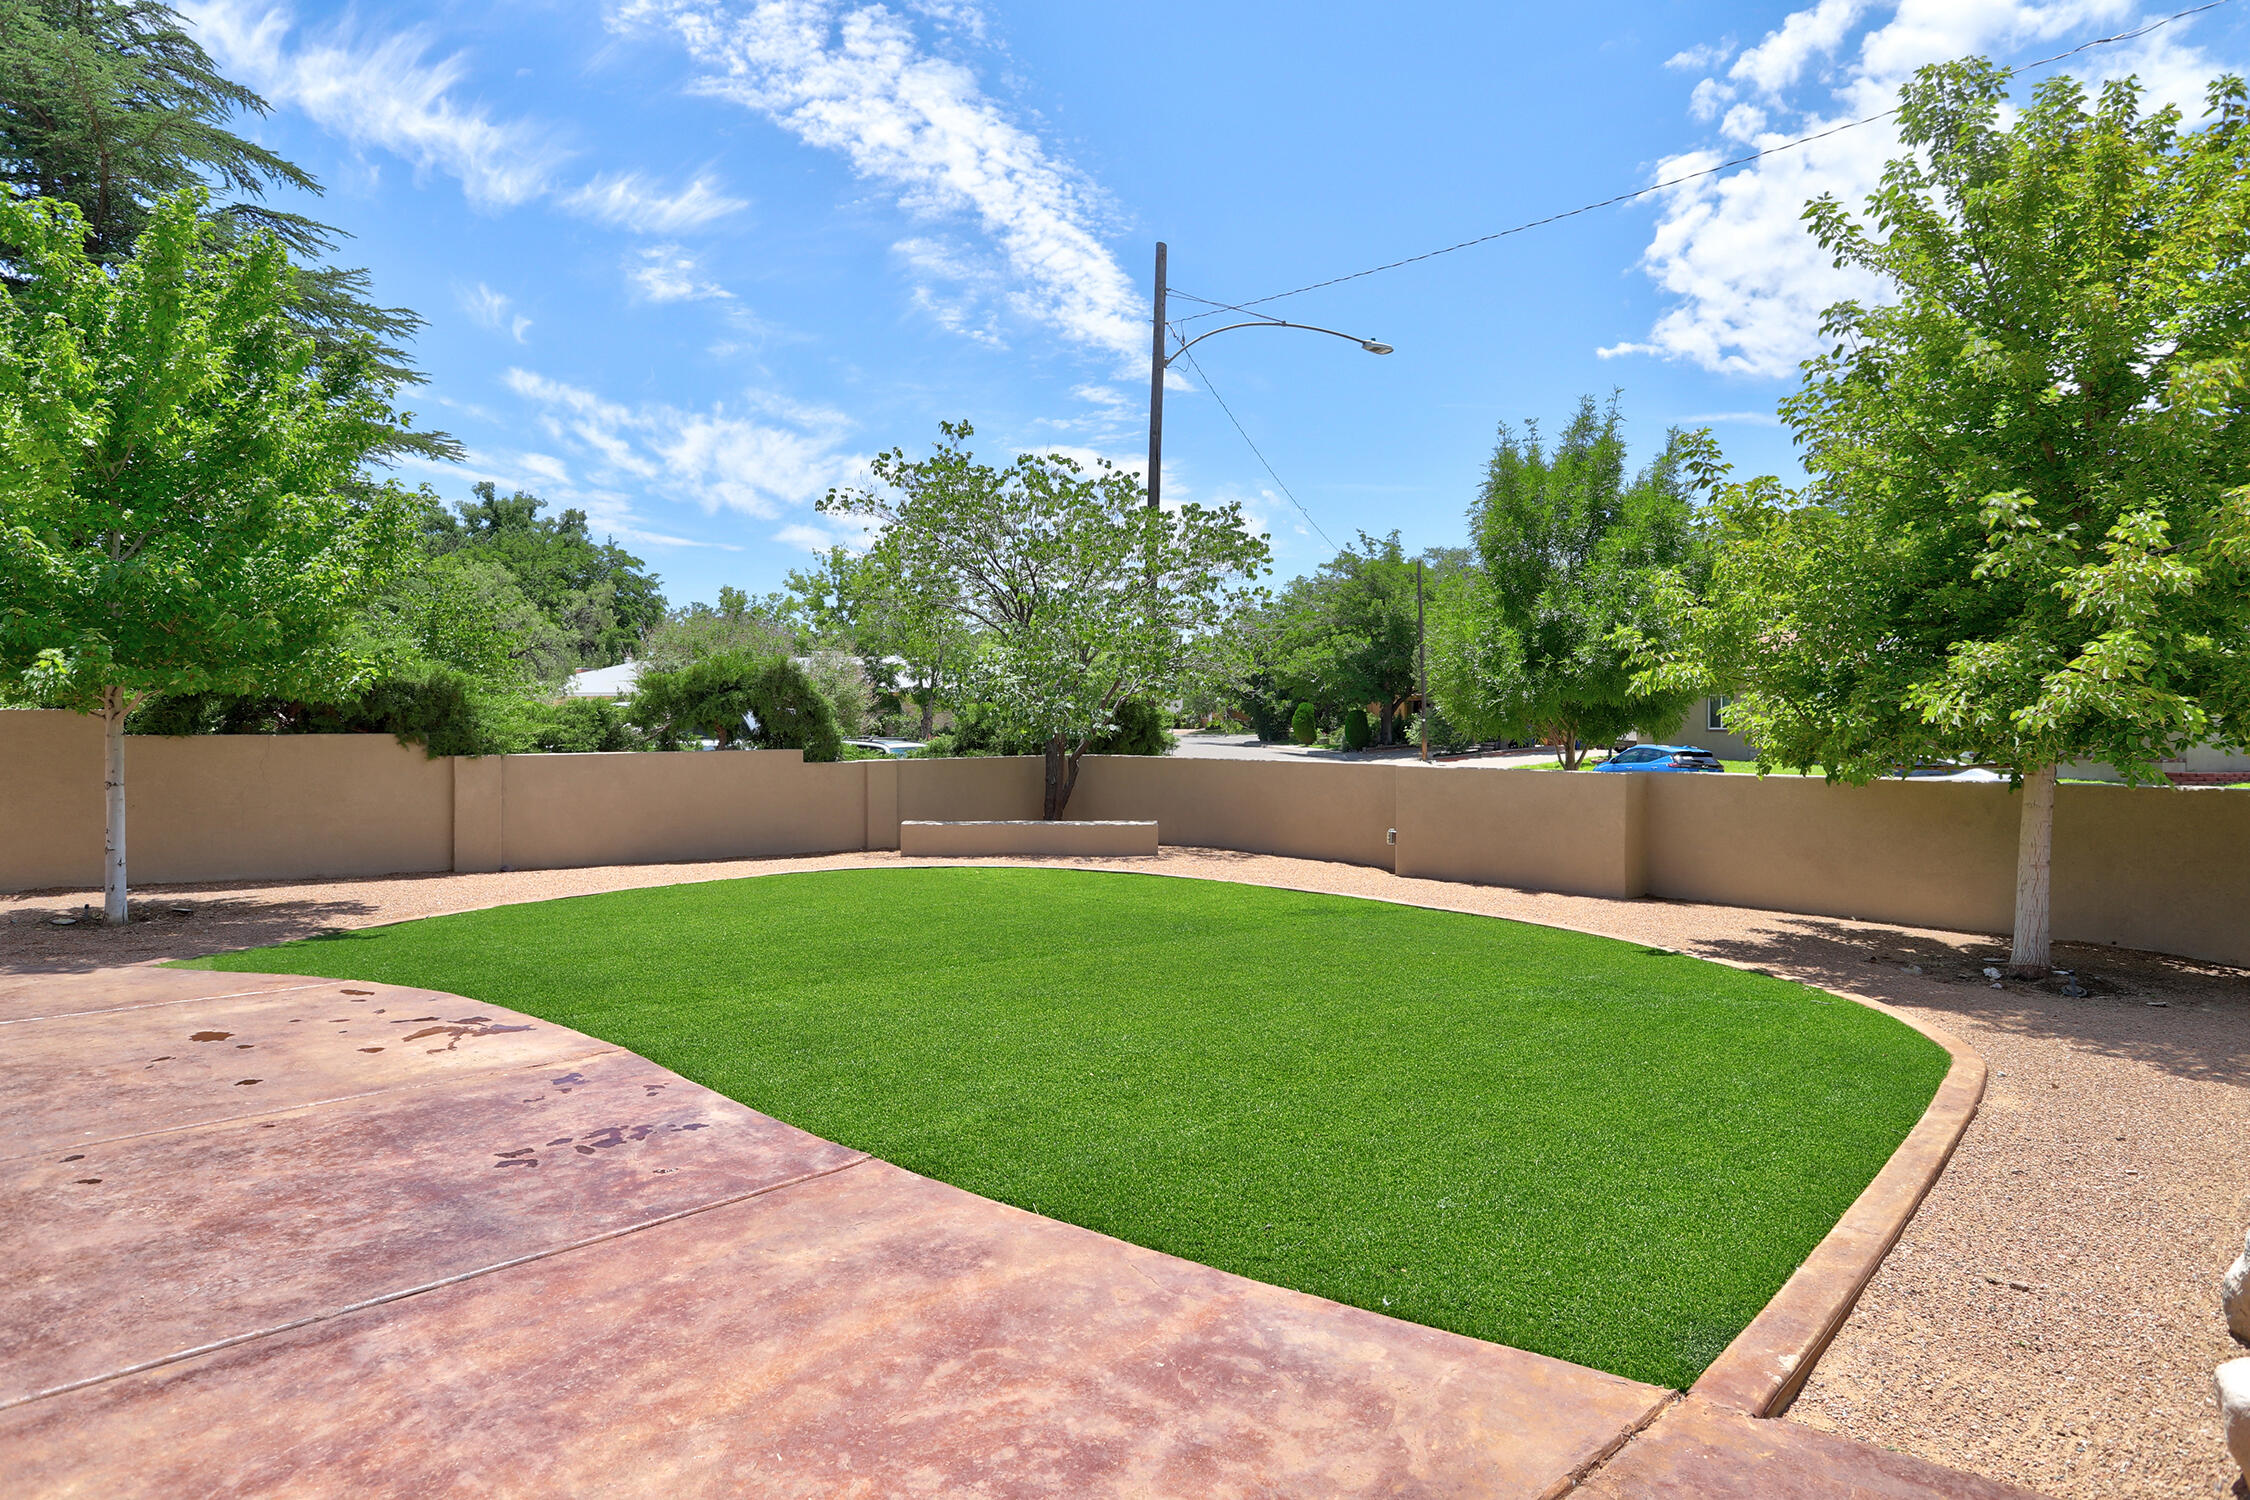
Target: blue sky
(686, 264)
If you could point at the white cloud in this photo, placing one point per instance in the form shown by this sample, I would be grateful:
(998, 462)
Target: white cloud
(383, 92)
(489, 309)
(762, 457)
(667, 273)
(1698, 58)
(1746, 283)
(631, 200)
(858, 81)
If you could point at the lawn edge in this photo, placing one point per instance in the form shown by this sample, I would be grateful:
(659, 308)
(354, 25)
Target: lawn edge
(1762, 1370)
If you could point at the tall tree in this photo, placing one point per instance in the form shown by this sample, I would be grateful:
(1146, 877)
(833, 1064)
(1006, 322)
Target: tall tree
(111, 105)
(1345, 636)
(2027, 537)
(181, 508)
(598, 595)
(1578, 565)
(1082, 596)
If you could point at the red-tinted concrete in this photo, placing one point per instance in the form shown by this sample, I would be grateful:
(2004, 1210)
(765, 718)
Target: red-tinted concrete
(1698, 1451)
(497, 1256)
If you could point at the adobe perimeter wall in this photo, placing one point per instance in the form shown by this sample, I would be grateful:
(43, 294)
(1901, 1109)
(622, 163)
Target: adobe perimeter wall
(2167, 870)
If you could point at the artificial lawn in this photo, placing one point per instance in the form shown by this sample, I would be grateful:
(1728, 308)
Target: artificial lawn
(1602, 1152)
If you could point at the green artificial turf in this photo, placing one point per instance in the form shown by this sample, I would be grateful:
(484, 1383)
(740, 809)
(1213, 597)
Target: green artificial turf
(1602, 1152)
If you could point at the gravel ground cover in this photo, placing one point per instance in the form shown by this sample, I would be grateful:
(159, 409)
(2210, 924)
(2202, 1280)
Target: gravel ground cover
(1586, 1148)
(2093, 1382)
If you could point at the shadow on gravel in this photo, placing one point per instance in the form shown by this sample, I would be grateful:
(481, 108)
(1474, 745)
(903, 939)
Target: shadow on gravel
(2186, 1017)
(185, 926)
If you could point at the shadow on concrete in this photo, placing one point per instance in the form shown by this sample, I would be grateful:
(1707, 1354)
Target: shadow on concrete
(2191, 1019)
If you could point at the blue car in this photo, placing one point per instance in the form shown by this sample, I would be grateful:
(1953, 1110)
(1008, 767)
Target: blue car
(1662, 758)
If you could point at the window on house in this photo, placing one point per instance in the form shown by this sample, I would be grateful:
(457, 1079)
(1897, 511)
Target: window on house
(1712, 709)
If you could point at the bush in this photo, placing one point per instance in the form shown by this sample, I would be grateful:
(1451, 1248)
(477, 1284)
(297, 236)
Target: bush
(1302, 727)
(1357, 732)
(708, 698)
(1140, 731)
(577, 726)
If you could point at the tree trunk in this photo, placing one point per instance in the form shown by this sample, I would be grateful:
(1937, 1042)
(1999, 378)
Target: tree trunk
(2030, 955)
(1062, 777)
(929, 715)
(1383, 735)
(113, 791)
(1567, 736)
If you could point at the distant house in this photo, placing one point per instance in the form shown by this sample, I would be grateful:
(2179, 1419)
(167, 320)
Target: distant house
(619, 681)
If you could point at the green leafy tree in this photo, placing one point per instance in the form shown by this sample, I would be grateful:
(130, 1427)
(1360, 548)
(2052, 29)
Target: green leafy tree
(1579, 567)
(180, 507)
(1081, 596)
(910, 638)
(710, 697)
(1303, 727)
(598, 596)
(2027, 537)
(112, 106)
(1345, 635)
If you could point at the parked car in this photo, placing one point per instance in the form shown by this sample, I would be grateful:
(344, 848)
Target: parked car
(899, 749)
(1662, 758)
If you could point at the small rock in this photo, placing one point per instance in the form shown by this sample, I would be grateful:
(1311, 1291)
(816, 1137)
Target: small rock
(62, 921)
(183, 911)
(2160, 1005)
(1990, 972)
(1913, 968)
(2232, 1381)
(2234, 1293)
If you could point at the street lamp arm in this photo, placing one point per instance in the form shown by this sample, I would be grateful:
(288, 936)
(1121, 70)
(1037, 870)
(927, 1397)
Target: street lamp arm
(1372, 346)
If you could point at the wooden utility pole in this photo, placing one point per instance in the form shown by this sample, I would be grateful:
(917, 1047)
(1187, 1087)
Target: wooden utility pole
(1156, 390)
(1422, 653)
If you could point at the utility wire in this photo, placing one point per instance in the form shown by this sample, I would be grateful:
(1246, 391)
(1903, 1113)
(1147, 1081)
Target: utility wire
(1293, 500)
(1673, 182)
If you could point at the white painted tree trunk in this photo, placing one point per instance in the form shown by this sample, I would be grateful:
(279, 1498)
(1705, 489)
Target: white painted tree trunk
(2030, 954)
(113, 788)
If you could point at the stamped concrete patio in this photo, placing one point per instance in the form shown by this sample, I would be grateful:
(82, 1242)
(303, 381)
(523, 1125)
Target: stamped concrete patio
(278, 1235)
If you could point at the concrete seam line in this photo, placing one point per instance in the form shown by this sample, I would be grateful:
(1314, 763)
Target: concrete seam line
(235, 1340)
(113, 1010)
(1615, 1446)
(310, 1104)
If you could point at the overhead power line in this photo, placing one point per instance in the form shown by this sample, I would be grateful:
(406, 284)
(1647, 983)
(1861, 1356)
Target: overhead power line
(1687, 177)
(1293, 500)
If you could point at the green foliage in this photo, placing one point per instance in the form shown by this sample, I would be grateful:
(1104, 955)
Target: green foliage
(180, 509)
(111, 106)
(1601, 1152)
(2027, 537)
(1302, 726)
(1139, 730)
(1357, 732)
(595, 599)
(900, 621)
(707, 699)
(1081, 596)
(1582, 567)
(578, 726)
(1345, 635)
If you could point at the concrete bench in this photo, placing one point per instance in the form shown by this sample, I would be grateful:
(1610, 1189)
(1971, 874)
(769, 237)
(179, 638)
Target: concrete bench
(1105, 840)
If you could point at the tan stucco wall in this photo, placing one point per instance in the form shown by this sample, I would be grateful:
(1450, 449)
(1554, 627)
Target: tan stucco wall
(1029, 836)
(628, 808)
(1936, 854)
(228, 807)
(983, 789)
(2152, 868)
(1310, 811)
(1537, 830)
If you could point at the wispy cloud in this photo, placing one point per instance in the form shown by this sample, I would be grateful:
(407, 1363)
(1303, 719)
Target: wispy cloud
(764, 456)
(667, 273)
(1746, 283)
(381, 92)
(489, 309)
(634, 201)
(857, 80)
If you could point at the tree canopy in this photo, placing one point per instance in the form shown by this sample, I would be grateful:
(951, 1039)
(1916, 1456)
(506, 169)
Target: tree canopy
(1080, 595)
(2027, 535)
(181, 506)
(1579, 565)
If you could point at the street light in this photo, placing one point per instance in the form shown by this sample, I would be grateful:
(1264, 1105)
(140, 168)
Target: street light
(1159, 362)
